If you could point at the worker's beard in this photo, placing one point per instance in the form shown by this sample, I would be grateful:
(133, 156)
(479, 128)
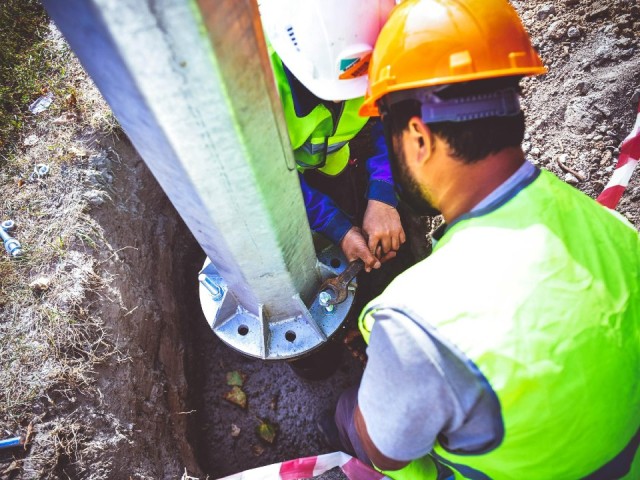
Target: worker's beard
(408, 189)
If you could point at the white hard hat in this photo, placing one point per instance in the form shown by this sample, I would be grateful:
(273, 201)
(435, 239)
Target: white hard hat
(326, 44)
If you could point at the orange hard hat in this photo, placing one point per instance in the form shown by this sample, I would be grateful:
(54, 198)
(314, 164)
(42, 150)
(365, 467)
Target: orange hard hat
(429, 43)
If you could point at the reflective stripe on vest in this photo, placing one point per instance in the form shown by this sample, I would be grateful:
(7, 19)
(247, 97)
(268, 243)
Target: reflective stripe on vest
(550, 314)
(322, 153)
(317, 148)
(310, 134)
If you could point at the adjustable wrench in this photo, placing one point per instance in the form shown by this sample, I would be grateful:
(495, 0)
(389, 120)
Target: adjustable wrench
(11, 245)
(338, 285)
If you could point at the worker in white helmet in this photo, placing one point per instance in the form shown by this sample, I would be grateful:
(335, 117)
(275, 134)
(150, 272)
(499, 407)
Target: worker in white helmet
(320, 54)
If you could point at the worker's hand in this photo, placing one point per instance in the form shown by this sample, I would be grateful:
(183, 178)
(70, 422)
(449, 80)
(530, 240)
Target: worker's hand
(354, 246)
(382, 227)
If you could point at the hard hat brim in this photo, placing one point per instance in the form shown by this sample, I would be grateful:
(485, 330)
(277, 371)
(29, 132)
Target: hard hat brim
(333, 90)
(370, 108)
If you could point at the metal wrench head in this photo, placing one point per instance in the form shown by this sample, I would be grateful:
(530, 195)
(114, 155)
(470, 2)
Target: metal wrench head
(337, 290)
(8, 225)
(339, 286)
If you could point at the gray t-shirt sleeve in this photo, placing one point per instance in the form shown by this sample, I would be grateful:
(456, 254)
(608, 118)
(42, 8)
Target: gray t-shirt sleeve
(415, 389)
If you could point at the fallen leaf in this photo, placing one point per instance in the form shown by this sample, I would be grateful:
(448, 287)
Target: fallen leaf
(40, 284)
(31, 140)
(266, 432)
(64, 118)
(15, 466)
(79, 152)
(257, 450)
(236, 378)
(71, 100)
(236, 396)
(351, 335)
(235, 430)
(29, 436)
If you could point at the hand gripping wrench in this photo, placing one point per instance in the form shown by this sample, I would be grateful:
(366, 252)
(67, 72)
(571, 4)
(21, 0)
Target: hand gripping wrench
(338, 285)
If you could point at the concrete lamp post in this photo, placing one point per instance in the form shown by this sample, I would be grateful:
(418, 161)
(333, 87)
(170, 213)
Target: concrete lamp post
(190, 83)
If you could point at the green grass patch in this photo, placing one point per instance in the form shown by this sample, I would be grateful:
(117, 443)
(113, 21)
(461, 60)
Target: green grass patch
(27, 68)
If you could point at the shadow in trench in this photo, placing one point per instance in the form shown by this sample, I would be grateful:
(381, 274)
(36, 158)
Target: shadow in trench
(226, 437)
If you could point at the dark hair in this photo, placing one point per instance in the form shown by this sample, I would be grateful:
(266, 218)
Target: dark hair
(472, 140)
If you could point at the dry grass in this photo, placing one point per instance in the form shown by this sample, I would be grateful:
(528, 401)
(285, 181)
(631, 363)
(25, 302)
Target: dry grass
(51, 337)
(186, 476)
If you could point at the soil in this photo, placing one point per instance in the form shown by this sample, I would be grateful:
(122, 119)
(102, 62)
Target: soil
(151, 404)
(147, 391)
(132, 419)
(586, 105)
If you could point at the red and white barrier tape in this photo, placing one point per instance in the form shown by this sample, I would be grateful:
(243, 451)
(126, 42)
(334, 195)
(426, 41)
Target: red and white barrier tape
(311, 467)
(629, 155)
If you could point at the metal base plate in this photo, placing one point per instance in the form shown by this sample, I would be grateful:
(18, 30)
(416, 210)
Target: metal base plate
(273, 338)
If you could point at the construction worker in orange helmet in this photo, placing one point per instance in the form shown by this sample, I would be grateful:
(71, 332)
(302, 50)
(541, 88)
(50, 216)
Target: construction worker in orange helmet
(513, 350)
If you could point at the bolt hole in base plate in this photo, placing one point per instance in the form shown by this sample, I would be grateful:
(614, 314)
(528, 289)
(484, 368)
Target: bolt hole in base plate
(273, 339)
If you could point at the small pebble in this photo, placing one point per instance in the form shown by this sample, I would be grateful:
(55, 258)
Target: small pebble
(556, 30)
(94, 197)
(627, 54)
(30, 140)
(583, 87)
(569, 178)
(624, 20)
(604, 52)
(573, 32)
(545, 11)
(606, 157)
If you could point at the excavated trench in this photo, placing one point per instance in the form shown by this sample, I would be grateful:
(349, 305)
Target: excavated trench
(278, 394)
(173, 387)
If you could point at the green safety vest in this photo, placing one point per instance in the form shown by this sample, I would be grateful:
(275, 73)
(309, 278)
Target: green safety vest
(542, 295)
(319, 140)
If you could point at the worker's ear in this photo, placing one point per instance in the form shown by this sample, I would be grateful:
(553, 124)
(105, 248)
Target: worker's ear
(420, 140)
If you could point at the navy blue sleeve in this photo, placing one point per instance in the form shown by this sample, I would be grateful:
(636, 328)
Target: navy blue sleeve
(324, 215)
(381, 186)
